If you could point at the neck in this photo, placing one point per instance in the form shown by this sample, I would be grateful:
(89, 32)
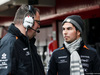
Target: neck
(73, 45)
(21, 28)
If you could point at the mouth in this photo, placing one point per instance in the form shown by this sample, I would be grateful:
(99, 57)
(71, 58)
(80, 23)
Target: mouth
(66, 37)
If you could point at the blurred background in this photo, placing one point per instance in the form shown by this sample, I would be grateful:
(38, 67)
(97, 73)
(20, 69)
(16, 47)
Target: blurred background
(52, 13)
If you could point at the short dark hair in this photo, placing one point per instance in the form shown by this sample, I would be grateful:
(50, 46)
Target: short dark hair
(21, 13)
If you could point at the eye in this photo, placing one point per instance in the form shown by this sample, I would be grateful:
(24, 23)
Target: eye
(69, 28)
(63, 28)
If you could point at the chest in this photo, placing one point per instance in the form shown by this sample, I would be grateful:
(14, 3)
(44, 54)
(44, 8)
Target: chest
(63, 62)
(24, 52)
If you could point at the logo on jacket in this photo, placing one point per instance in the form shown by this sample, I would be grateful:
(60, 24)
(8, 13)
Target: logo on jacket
(62, 59)
(3, 61)
(3, 56)
(24, 49)
(27, 53)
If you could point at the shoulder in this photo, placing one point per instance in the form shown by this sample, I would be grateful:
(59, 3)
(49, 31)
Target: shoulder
(91, 48)
(8, 39)
(59, 52)
(88, 51)
(58, 49)
(7, 44)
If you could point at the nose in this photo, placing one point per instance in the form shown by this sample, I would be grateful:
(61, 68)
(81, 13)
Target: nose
(65, 32)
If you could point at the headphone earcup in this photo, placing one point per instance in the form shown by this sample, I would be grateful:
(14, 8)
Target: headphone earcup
(28, 21)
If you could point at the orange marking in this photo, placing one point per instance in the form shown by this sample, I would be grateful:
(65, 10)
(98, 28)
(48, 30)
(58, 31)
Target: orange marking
(85, 47)
(62, 48)
(16, 37)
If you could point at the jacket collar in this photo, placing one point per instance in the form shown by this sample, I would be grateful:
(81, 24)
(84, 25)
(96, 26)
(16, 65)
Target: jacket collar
(15, 31)
(81, 46)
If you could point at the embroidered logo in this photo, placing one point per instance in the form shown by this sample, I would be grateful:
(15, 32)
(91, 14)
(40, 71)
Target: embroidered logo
(3, 61)
(84, 56)
(62, 61)
(3, 56)
(25, 49)
(62, 57)
(68, 20)
(27, 53)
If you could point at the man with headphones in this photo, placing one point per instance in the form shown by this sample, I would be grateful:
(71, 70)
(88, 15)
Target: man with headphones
(18, 54)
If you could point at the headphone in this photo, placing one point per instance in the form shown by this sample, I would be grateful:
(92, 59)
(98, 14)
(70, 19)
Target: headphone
(28, 20)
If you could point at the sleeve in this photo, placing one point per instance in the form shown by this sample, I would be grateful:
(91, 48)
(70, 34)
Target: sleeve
(52, 70)
(96, 64)
(5, 57)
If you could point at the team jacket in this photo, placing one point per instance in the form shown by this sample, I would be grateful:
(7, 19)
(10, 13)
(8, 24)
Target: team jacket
(15, 57)
(60, 61)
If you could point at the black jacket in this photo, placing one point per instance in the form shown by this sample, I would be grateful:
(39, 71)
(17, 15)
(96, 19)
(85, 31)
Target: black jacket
(60, 61)
(15, 56)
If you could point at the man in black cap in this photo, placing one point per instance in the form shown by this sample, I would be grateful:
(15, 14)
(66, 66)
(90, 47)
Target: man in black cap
(74, 57)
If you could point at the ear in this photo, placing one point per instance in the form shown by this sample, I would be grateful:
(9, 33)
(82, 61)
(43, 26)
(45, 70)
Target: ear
(78, 33)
